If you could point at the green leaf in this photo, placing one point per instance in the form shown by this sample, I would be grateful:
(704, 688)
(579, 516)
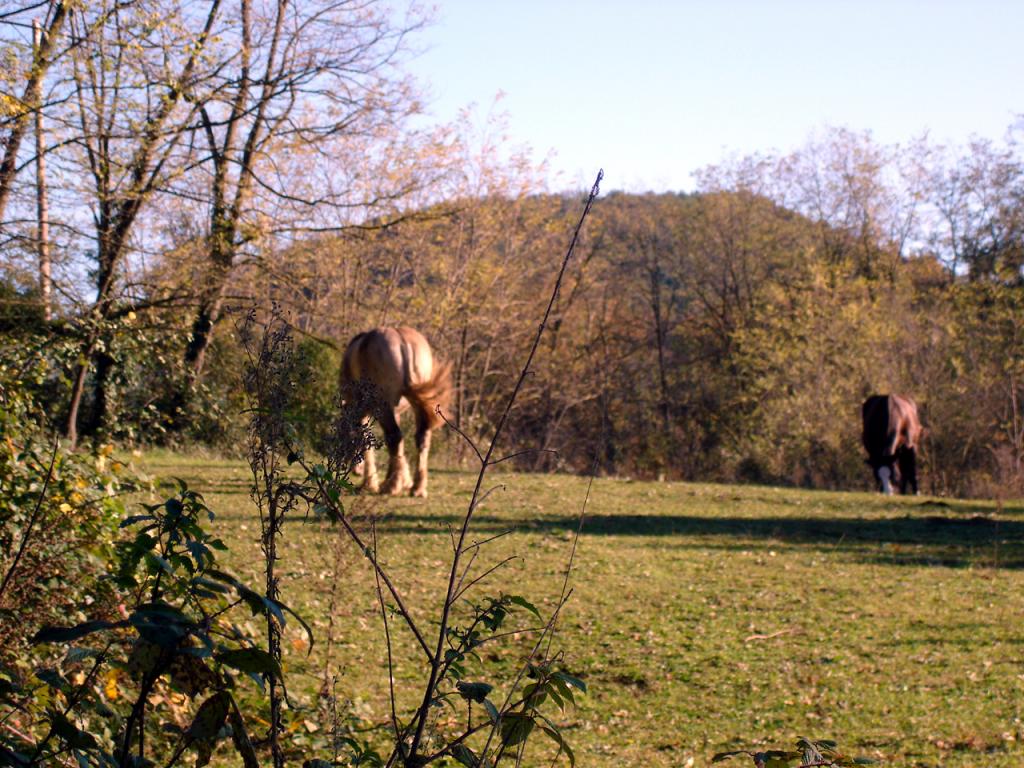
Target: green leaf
(466, 756)
(562, 688)
(53, 678)
(492, 711)
(259, 604)
(70, 733)
(252, 660)
(302, 623)
(776, 759)
(522, 602)
(161, 624)
(555, 695)
(474, 691)
(575, 682)
(556, 737)
(210, 718)
(143, 658)
(515, 728)
(240, 738)
(67, 634)
(720, 756)
(157, 563)
(16, 759)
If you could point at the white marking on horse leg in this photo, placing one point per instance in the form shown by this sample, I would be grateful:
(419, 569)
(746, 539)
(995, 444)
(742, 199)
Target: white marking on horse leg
(419, 487)
(398, 479)
(370, 482)
(884, 473)
(359, 468)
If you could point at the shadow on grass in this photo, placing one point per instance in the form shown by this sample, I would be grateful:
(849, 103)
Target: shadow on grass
(929, 532)
(909, 540)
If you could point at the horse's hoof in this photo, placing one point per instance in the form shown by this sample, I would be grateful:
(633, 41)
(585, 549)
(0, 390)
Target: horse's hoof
(391, 488)
(418, 493)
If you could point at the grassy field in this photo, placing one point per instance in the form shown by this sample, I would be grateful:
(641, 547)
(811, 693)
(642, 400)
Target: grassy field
(702, 616)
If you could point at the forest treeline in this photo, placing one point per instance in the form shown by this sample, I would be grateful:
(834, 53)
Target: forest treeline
(729, 333)
(711, 336)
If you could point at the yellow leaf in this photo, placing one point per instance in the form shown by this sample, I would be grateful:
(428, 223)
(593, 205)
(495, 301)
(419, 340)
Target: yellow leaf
(110, 688)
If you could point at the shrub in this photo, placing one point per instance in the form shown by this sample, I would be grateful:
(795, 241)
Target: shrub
(58, 519)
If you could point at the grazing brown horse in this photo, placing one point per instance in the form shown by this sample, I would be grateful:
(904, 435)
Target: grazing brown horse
(399, 362)
(892, 432)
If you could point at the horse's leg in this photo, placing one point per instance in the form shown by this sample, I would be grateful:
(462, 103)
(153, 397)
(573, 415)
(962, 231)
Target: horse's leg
(419, 487)
(883, 475)
(398, 478)
(369, 463)
(908, 470)
(359, 468)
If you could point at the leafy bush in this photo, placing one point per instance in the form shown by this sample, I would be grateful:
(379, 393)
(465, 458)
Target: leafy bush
(20, 309)
(316, 404)
(58, 519)
(163, 673)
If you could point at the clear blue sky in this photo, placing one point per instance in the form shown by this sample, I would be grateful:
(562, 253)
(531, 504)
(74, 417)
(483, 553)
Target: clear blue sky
(652, 89)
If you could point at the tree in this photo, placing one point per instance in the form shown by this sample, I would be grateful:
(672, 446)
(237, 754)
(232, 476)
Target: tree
(300, 88)
(129, 129)
(19, 115)
(978, 205)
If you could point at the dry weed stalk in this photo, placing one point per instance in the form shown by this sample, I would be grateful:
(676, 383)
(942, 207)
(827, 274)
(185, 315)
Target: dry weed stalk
(416, 742)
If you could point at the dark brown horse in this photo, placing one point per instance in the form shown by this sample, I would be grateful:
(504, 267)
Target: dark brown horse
(892, 432)
(401, 365)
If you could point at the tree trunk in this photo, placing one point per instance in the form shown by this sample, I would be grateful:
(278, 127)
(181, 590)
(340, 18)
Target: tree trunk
(211, 302)
(77, 392)
(42, 204)
(9, 163)
(659, 334)
(101, 395)
(202, 335)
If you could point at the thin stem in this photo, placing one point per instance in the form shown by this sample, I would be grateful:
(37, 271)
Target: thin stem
(524, 452)
(485, 462)
(572, 553)
(484, 575)
(452, 426)
(387, 640)
(403, 611)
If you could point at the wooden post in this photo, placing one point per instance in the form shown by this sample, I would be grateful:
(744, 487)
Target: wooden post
(42, 204)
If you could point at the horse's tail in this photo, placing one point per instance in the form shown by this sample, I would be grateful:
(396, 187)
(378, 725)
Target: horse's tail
(435, 391)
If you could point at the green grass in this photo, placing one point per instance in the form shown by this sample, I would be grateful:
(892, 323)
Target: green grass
(702, 617)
